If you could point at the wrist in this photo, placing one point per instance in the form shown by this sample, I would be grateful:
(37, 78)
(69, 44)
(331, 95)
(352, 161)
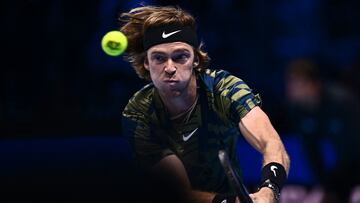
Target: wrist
(266, 192)
(275, 173)
(271, 188)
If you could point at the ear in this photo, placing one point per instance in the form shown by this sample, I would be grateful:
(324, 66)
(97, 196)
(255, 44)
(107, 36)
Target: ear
(146, 63)
(196, 61)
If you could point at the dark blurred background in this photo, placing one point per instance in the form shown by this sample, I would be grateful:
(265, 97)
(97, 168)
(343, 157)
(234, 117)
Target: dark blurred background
(62, 97)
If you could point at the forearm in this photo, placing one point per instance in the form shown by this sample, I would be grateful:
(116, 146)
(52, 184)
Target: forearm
(259, 132)
(274, 151)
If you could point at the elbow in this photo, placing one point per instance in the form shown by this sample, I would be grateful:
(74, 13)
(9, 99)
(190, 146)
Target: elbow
(287, 163)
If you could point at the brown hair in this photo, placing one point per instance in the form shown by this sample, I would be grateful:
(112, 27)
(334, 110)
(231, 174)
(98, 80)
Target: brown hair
(139, 19)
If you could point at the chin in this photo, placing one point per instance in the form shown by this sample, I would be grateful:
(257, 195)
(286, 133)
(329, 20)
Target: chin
(175, 93)
(172, 91)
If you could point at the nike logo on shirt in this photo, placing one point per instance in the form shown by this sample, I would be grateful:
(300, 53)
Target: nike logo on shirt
(186, 138)
(164, 35)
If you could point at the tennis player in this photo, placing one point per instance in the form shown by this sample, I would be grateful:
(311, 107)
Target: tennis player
(179, 121)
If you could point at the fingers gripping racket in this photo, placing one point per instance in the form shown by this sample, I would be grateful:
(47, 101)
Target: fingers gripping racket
(234, 179)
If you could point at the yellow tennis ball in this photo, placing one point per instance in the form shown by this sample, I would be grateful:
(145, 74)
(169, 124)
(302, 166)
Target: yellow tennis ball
(114, 43)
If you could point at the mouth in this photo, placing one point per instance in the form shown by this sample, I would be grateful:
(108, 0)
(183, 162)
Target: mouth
(171, 81)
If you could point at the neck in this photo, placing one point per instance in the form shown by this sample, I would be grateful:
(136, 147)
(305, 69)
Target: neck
(180, 103)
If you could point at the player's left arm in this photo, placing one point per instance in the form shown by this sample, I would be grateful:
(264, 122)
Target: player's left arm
(259, 132)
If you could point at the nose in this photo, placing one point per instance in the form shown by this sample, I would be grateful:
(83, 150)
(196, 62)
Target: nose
(170, 68)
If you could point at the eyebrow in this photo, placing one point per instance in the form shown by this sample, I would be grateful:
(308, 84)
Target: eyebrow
(175, 51)
(180, 50)
(157, 52)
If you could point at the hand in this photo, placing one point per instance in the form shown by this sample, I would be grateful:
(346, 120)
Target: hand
(264, 195)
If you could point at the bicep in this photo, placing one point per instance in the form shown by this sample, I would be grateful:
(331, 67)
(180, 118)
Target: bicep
(257, 129)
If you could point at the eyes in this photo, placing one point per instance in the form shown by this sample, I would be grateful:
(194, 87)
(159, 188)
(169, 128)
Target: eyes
(158, 58)
(180, 57)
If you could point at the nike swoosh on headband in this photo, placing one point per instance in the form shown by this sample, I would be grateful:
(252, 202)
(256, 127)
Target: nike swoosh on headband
(164, 35)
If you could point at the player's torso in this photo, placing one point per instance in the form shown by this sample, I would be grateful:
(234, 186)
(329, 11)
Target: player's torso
(213, 125)
(197, 142)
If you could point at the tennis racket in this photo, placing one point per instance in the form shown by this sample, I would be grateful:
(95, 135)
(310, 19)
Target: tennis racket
(234, 178)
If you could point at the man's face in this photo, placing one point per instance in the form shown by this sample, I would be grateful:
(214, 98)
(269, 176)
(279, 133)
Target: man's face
(301, 90)
(170, 66)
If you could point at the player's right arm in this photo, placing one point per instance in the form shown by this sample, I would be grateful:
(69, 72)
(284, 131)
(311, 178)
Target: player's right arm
(173, 168)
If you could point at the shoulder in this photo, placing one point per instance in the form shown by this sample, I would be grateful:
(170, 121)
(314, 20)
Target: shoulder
(229, 95)
(217, 80)
(141, 101)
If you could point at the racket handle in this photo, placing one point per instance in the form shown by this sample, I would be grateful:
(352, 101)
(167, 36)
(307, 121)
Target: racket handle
(234, 178)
